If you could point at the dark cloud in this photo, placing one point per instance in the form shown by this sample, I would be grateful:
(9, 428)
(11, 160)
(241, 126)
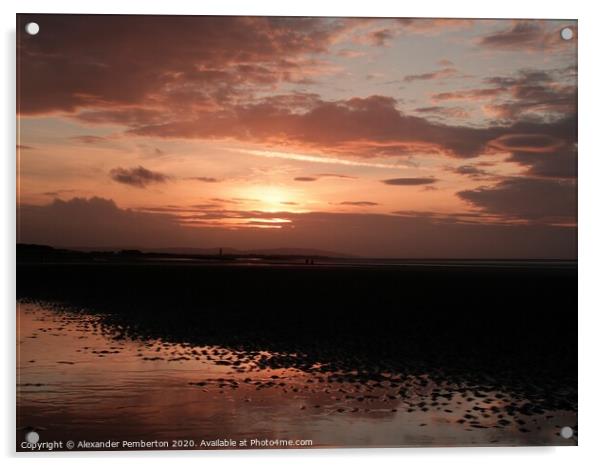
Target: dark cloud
(203, 179)
(213, 70)
(100, 223)
(138, 177)
(526, 35)
(221, 55)
(324, 175)
(430, 25)
(527, 142)
(96, 222)
(122, 116)
(550, 153)
(380, 37)
(469, 94)
(469, 170)
(226, 201)
(438, 74)
(59, 192)
(560, 163)
(370, 126)
(409, 181)
(178, 209)
(542, 93)
(534, 92)
(448, 217)
(88, 139)
(24, 147)
(527, 198)
(201, 86)
(359, 203)
(454, 112)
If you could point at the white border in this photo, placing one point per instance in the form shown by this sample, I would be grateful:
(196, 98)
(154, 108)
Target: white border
(590, 231)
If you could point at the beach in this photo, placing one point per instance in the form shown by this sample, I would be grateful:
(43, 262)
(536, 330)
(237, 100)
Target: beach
(320, 355)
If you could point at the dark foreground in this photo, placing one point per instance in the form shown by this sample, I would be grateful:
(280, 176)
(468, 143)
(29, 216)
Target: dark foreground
(450, 353)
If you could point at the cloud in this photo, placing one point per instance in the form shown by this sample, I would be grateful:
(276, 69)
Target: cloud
(99, 222)
(454, 112)
(324, 175)
(95, 222)
(336, 175)
(215, 71)
(214, 74)
(271, 154)
(527, 142)
(528, 94)
(468, 94)
(203, 179)
(367, 127)
(88, 139)
(438, 74)
(381, 37)
(409, 181)
(59, 192)
(350, 53)
(534, 92)
(380, 32)
(377, 38)
(433, 25)
(524, 35)
(359, 203)
(469, 170)
(226, 201)
(561, 163)
(128, 116)
(138, 177)
(204, 60)
(178, 209)
(527, 198)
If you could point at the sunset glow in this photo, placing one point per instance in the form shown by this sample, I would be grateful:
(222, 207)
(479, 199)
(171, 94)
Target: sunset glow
(215, 130)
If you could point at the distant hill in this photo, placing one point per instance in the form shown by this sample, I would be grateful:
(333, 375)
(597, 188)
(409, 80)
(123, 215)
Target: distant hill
(35, 251)
(243, 252)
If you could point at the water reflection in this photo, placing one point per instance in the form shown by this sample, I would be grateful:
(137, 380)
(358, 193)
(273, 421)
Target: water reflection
(79, 378)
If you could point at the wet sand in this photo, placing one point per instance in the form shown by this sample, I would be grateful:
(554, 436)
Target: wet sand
(92, 368)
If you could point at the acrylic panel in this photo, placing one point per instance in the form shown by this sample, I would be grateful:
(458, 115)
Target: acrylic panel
(295, 232)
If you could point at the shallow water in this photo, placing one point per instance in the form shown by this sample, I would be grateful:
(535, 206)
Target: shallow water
(78, 379)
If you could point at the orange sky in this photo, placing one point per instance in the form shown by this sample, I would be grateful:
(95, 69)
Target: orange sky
(419, 137)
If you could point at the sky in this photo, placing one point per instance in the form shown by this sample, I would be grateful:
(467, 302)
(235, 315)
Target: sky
(372, 137)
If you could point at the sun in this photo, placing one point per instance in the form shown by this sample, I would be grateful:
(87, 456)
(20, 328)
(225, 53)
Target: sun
(270, 198)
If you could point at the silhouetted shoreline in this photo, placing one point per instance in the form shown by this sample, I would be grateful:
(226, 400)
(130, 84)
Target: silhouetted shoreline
(34, 253)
